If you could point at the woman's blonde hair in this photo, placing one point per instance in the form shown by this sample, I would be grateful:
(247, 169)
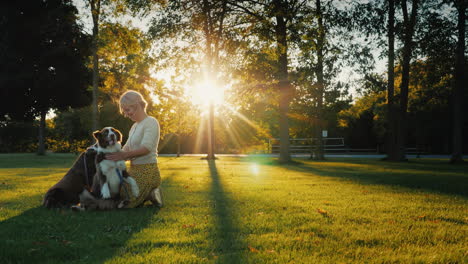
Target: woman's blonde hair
(130, 98)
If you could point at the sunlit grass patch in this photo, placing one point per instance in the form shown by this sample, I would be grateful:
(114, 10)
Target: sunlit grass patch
(247, 210)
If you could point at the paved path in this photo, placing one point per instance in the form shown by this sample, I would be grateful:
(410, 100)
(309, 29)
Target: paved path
(375, 156)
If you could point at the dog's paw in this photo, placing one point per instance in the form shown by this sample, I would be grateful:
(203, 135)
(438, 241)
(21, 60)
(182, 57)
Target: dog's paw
(122, 204)
(105, 191)
(121, 165)
(135, 190)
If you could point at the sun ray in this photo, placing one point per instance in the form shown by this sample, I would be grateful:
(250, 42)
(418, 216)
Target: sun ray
(200, 133)
(245, 119)
(232, 136)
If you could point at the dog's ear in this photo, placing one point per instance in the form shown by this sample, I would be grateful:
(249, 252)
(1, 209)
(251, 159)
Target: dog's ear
(119, 135)
(96, 134)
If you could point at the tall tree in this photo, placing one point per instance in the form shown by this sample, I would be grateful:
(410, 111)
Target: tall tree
(201, 25)
(213, 16)
(319, 153)
(458, 90)
(95, 7)
(409, 23)
(391, 111)
(327, 44)
(49, 57)
(285, 89)
(274, 20)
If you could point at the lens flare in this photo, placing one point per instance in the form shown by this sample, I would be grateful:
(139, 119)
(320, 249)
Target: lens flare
(254, 168)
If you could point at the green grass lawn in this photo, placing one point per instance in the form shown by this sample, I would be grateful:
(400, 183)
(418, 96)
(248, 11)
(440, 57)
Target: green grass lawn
(246, 210)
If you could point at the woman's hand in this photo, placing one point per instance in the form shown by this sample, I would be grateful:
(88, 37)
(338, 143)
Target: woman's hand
(116, 156)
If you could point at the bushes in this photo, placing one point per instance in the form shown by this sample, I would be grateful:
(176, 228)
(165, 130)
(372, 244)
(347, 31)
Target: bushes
(63, 146)
(22, 137)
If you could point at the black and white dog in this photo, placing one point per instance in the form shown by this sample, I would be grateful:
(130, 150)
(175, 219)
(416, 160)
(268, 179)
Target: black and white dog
(110, 174)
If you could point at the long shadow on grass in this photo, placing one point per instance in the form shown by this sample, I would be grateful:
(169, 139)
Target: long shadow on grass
(40, 235)
(426, 176)
(62, 236)
(227, 244)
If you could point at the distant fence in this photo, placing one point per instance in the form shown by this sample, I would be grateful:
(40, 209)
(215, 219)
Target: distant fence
(306, 145)
(330, 145)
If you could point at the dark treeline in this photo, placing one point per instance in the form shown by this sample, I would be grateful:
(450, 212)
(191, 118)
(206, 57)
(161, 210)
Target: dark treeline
(285, 61)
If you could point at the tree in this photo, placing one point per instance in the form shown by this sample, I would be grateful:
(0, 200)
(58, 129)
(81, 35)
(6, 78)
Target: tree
(202, 25)
(125, 62)
(95, 6)
(458, 90)
(274, 21)
(48, 51)
(409, 23)
(327, 43)
(370, 20)
(391, 111)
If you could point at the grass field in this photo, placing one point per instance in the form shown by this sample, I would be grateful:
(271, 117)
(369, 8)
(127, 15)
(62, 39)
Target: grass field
(247, 210)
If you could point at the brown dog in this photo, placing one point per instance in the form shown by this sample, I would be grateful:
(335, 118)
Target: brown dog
(80, 177)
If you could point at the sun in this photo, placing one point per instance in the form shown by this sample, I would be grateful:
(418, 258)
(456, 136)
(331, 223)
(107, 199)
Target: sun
(205, 92)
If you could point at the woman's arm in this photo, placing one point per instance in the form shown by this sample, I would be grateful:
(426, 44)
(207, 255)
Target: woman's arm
(126, 155)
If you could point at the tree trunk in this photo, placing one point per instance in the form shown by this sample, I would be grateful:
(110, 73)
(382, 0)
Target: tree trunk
(95, 11)
(391, 111)
(285, 88)
(208, 30)
(211, 134)
(319, 151)
(409, 25)
(42, 126)
(178, 145)
(457, 146)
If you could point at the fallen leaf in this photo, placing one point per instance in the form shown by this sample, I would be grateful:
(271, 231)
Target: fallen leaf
(271, 251)
(323, 212)
(252, 249)
(421, 217)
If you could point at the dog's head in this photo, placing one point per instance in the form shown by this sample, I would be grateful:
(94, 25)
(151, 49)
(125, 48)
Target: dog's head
(108, 137)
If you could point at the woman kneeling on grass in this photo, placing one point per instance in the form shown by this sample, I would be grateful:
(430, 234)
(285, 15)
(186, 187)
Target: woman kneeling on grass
(141, 149)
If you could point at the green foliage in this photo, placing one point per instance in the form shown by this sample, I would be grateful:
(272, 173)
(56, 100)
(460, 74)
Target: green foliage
(43, 56)
(125, 61)
(66, 146)
(17, 136)
(75, 125)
